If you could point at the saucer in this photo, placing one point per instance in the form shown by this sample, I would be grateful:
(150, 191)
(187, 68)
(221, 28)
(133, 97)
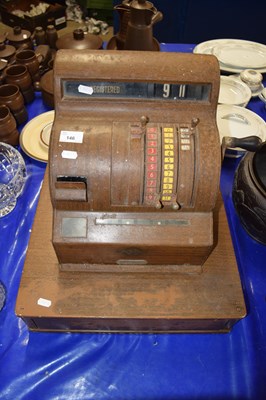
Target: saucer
(111, 45)
(45, 134)
(35, 136)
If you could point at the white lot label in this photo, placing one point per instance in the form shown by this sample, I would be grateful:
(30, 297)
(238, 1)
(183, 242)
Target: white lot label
(71, 155)
(60, 21)
(44, 302)
(85, 89)
(71, 137)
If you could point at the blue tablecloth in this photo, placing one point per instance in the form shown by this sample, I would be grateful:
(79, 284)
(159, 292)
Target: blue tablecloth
(82, 366)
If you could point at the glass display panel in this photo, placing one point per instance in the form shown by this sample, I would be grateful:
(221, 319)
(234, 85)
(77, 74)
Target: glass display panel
(137, 90)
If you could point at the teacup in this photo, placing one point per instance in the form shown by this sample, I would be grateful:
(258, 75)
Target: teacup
(19, 75)
(8, 127)
(32, 61)
(11, 96)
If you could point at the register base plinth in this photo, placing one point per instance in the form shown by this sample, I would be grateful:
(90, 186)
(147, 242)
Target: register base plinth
(211, 301)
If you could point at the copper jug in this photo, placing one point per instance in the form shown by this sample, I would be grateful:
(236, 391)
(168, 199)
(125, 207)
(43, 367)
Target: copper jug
(139, 36)
(123, 10)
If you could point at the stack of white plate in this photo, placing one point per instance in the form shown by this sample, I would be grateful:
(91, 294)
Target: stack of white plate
(235, 55)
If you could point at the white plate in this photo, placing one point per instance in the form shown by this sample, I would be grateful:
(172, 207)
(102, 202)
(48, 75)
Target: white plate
(233, 91)
(235, 121)
(237, 55)
(34, 138)
(208, 46)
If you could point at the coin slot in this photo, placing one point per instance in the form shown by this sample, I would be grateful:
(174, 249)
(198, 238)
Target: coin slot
(73, 188)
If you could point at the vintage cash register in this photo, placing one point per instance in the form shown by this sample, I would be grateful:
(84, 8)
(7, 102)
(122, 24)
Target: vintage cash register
(134, 160)
(132, 235)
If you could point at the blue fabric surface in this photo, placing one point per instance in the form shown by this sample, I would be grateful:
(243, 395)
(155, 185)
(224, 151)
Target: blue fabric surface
(66, 366)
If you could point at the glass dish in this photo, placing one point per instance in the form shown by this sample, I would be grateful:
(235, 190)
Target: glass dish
(12, 177)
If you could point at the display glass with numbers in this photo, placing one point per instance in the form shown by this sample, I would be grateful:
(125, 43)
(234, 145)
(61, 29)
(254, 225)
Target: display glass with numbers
(137, 90)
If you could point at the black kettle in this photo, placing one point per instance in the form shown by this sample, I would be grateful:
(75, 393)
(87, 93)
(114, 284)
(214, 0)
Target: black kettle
(249, 192)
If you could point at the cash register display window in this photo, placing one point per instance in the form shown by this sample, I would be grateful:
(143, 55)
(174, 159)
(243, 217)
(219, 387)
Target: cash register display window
(137, 90)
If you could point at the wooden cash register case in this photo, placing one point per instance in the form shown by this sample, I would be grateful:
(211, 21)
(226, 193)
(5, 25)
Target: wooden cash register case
(133, 235)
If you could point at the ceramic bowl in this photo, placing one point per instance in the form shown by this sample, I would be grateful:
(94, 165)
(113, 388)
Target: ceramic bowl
(233, 92)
